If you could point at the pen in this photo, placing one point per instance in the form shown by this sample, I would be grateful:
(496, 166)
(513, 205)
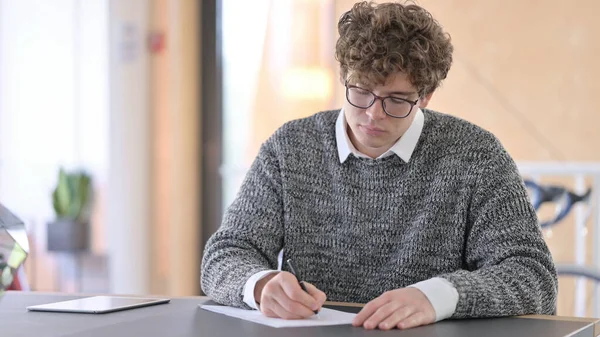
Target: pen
(293, 270)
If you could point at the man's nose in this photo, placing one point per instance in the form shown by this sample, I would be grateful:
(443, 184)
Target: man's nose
(375, 111)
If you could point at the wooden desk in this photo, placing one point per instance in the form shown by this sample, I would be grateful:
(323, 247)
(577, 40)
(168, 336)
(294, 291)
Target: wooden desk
(183, 317)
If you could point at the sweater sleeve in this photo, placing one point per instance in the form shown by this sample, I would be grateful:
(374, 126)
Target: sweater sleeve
(508, 268)
(250, 236)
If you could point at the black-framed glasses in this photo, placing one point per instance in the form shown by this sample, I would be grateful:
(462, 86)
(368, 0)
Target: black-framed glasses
(392, 106)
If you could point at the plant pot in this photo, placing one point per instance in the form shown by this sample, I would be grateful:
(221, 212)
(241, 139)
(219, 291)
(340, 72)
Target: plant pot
(65, 235)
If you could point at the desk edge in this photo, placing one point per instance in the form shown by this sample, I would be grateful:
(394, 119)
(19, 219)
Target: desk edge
(595, 321)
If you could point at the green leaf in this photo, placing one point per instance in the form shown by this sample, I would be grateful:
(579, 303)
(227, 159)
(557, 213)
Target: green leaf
(72, 196)
(62, 195)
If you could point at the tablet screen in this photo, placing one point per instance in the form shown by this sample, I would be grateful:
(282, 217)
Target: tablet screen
(98, 304)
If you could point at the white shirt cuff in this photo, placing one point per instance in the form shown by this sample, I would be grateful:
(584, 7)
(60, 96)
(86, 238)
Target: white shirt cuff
(442, 295)
(249, 287)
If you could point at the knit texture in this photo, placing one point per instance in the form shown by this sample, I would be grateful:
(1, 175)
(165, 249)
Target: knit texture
(457, 210)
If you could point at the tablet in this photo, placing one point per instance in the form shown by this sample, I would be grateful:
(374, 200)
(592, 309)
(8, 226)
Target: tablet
(98, 304)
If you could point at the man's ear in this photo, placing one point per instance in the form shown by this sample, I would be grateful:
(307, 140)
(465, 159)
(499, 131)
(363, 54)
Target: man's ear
(425, 100)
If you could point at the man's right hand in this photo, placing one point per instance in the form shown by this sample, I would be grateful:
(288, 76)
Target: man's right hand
(281, 296)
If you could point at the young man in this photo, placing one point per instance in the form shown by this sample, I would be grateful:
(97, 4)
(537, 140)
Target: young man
(421, 215)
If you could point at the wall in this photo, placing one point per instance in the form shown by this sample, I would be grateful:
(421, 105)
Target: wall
(128, 215)
(175, 171)
(80, 87)
(53, 112)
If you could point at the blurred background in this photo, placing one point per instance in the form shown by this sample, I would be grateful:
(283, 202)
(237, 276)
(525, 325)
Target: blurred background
(154, 109)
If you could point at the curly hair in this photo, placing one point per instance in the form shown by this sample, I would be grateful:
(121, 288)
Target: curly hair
(378, 40)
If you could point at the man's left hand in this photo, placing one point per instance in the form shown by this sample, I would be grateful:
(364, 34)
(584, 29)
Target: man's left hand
(401, 308)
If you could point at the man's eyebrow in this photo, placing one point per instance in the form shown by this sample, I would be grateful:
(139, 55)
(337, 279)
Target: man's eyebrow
(405, 93)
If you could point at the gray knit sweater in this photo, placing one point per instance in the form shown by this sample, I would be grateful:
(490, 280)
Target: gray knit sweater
(457, 210)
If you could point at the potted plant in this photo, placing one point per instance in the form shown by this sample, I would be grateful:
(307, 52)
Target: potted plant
(71, 199)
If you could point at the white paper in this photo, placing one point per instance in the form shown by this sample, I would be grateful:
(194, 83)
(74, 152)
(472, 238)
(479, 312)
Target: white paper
(325, 317)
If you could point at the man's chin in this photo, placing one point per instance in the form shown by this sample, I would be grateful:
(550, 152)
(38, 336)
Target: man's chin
(373, 144)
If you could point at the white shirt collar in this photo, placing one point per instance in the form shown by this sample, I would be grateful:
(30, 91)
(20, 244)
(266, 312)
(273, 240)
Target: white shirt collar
(403, 148)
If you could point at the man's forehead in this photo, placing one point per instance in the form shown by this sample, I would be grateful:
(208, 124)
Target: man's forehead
(395, 83)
